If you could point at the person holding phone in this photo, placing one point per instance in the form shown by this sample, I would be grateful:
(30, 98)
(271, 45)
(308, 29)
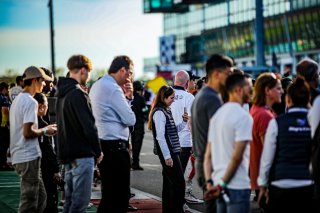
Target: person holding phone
(182, 105)
(167, 147)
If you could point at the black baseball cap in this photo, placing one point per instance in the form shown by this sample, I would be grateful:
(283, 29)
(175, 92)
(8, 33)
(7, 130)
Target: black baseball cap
(192, 76)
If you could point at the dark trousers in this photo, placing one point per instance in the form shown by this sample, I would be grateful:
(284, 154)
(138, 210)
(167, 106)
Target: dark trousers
(184, 157)
(4, 145)
(115, 177)
(136, 142)
(316, 199)
(291, 200)
(51, 189)
(173, 185)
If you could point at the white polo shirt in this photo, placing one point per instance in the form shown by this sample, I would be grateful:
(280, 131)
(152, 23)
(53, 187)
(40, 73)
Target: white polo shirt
(182, 100)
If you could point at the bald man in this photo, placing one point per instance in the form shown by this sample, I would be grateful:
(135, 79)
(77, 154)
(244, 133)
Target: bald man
(182, 103)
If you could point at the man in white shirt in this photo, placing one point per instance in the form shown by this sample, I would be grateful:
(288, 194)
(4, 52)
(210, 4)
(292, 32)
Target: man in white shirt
(14, 91)
(226, 162)
(182, 103)
(24, 146)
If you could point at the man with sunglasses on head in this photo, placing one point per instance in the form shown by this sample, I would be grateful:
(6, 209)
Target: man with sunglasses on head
(111, 103)
(24, 147)
(78, 142)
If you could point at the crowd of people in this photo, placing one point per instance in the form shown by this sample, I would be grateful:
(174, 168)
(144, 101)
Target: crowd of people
(239, 135)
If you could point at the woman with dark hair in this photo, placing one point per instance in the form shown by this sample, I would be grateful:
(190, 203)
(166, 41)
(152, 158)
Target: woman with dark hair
(167, 147)
(49, 164)
(267, 91)
(286, 156)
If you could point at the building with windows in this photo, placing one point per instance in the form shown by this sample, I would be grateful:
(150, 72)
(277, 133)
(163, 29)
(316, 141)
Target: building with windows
(291, 30)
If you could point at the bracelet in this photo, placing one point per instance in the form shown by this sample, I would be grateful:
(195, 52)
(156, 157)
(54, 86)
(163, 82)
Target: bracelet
(222, 184)
(210, 181)
(44, 131)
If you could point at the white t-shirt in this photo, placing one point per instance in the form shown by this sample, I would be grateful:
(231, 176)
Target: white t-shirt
(23, 110)
(182, 100)
(14, 92)
(230, 124)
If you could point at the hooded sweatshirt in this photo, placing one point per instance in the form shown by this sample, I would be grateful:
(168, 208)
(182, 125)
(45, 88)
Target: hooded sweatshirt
(77, 133)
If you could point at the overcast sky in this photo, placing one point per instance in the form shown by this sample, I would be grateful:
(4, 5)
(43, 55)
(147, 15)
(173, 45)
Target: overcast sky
(99, 29)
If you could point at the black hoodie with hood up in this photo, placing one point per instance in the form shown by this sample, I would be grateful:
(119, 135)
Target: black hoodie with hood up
(77, 133)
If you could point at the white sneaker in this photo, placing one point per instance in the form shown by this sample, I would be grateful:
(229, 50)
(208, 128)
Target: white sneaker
(90, 205)
(186, 208)
(190, 198)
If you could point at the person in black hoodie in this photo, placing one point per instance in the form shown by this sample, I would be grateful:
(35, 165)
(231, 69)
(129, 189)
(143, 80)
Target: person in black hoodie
(49, 163)
(78, 142)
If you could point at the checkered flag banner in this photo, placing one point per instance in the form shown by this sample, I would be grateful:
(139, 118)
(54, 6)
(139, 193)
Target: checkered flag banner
(167, 49)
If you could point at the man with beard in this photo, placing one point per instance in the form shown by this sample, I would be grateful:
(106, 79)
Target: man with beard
(226, 163)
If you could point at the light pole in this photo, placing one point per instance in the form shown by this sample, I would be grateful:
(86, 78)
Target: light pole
(50, 5)
(259, 34)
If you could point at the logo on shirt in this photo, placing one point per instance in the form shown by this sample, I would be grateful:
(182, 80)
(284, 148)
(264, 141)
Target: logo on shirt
(178, 97)
(301, 122)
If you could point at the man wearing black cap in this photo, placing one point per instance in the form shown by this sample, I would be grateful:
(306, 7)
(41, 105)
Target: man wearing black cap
(24, 145)
(192, 82)
(139, 109)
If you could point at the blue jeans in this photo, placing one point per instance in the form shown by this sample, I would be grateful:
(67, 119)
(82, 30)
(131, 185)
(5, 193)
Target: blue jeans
(239, 202)
(78, 178)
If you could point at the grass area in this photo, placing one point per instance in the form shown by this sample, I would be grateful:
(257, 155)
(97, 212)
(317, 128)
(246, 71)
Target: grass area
(10, 193)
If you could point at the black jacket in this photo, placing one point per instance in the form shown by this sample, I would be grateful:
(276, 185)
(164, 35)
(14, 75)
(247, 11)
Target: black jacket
(138, 107)
(77, 133)
(49, 161)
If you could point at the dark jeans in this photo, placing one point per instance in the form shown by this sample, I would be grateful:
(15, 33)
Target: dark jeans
(291, 200)
(239, 202)
(210, 206)
(136, 142)
(4, 145)
(115, 177)
(184, 157)
(51, 189)
(173, 185)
